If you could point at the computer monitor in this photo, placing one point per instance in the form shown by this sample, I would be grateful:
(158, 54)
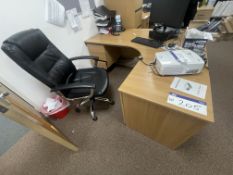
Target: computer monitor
(191, 12)
(169, 13)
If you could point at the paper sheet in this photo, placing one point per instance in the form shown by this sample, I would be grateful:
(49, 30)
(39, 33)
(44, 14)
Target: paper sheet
(85, 7)
(54, 13)
(189, 87)
(187, 103)
(92, 4)
(52, 104)
(197, 34)
(73, 19)
(70, 4)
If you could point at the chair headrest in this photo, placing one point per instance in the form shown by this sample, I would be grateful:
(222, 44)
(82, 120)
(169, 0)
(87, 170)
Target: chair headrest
(32, 42)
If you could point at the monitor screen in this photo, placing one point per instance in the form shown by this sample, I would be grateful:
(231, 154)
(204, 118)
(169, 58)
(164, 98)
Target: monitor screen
(169, 13)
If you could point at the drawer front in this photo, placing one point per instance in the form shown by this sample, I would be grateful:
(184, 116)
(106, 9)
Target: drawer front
(106, 53)
(138, 3)
(138, 18)
(99, 51)
(145, 22)
(94, 48)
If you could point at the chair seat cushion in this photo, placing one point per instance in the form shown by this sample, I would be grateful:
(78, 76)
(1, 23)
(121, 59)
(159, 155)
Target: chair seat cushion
(97, 76)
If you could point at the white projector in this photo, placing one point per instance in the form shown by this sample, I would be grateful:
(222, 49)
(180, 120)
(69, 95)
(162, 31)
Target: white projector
(178, 62)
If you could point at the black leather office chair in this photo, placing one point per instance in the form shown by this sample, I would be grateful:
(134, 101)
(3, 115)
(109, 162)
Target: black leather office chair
(32, 50)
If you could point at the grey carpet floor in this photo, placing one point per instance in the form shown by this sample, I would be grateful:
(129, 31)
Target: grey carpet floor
(109, 147)
(10, 133)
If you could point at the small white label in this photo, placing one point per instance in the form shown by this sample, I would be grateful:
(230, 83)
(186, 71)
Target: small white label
(187, 103)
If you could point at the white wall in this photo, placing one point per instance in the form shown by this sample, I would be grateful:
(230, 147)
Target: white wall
(18, 15)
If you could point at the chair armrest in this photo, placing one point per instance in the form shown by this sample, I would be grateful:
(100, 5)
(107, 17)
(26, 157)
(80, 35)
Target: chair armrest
(85, 58)
(102, 61)
(95, 58)
(73, 86)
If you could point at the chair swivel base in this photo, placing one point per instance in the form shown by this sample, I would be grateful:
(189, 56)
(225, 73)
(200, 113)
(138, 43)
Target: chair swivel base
(92, 104)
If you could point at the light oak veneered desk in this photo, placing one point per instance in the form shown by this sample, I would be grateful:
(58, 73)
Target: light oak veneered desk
(144, 94)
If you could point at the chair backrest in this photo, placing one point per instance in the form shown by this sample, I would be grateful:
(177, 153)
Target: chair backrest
(32, 51)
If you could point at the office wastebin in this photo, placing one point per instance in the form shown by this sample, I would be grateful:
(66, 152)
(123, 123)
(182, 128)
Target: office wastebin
(55, 107)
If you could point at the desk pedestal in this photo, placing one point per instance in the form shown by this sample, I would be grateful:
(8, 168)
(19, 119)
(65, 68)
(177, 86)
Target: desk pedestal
(166, 126)
(106, 53)
(111, 53)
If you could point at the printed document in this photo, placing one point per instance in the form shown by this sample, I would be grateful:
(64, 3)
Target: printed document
(189, 87)
(54, 13)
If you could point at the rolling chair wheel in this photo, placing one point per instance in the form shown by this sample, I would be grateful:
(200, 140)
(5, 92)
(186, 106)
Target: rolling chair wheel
(92, 111)
(93, 116)
(112, 102)
(78, 110)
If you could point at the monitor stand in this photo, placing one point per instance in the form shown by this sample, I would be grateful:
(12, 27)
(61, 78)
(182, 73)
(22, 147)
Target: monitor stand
(162, 33)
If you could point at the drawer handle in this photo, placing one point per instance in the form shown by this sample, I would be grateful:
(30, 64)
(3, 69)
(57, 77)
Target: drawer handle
(140, 8)
(3, 95)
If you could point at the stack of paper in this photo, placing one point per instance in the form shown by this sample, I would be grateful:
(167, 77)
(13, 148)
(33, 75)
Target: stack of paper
(228, 24)
(104, 18)
(223, 9)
